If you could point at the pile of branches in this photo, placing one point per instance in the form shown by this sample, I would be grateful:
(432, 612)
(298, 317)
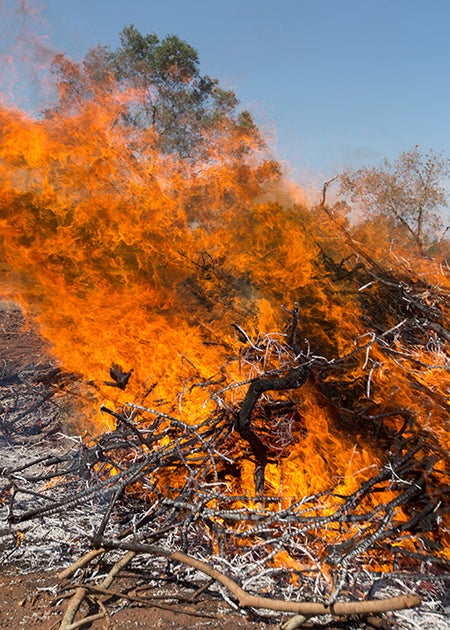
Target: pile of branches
(160, 490)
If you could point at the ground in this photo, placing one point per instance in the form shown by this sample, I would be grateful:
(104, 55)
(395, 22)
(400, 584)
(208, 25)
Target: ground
(33, 601)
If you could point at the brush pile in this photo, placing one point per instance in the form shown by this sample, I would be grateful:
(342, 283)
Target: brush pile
(160, 490)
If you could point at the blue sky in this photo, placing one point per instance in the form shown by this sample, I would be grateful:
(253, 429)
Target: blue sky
(334, 83)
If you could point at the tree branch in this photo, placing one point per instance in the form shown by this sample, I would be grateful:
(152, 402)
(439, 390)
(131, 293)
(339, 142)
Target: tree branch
(246, 600)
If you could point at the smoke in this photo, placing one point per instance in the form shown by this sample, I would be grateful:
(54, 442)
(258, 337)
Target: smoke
(25, 57)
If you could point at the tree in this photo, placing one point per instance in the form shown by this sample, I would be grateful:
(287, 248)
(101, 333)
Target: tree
(410, 192)
(183, 106)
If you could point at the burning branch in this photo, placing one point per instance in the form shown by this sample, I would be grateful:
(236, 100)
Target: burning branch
(323, 200)
(293, 380)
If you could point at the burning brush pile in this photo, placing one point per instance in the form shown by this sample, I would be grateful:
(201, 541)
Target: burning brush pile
(264, 401)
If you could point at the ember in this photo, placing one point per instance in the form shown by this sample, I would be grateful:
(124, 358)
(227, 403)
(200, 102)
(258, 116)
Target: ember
(279, 398)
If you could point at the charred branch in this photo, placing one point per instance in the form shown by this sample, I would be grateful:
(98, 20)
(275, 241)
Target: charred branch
(294, 379)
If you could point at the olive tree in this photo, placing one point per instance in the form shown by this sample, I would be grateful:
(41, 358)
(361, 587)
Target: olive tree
(412, 191)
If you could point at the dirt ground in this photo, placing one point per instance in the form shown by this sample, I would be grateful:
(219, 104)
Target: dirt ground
(34, 601)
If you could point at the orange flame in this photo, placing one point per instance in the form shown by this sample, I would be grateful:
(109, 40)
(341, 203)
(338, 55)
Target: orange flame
(128, 256)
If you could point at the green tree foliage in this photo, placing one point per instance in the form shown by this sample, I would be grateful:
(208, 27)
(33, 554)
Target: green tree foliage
(410, 193)
(184, 107)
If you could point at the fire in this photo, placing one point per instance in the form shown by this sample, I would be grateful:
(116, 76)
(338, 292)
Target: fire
(128, 256)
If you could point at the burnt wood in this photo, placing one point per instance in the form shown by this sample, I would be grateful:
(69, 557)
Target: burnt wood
(294, 379)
